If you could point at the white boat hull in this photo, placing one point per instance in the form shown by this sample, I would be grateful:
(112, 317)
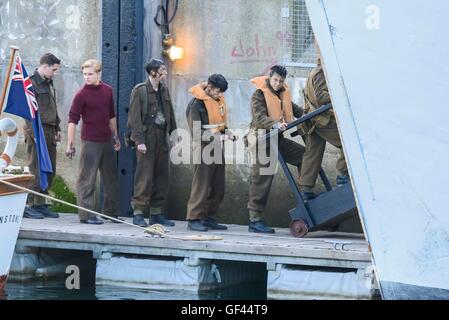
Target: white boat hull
(11, 213)
(12, 205)
(387, 72)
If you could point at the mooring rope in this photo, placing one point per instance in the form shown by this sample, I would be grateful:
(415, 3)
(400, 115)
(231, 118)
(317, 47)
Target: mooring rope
(154, 230)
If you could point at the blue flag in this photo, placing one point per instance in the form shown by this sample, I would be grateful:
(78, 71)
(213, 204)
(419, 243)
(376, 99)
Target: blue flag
(22, 102)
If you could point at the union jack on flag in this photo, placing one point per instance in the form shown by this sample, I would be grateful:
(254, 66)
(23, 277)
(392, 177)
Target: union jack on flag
(21, 93)
(22, 102)
(21, 75)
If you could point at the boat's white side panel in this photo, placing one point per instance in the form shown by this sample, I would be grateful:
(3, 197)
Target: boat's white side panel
(11, 213)
(388, 73)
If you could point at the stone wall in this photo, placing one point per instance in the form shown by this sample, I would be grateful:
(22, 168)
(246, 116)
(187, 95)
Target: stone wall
(71, 30)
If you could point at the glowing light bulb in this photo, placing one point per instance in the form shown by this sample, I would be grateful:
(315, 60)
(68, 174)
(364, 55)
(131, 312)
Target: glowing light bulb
(175, 53)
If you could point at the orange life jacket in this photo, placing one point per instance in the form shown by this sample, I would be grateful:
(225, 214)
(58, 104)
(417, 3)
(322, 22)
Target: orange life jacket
(278, 109)
(216, 109)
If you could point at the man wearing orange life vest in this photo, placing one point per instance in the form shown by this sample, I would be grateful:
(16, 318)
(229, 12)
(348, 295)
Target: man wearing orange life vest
(207, 120)
(272, 108)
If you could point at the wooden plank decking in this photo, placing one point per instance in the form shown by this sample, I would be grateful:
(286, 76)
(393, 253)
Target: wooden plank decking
(317, 249)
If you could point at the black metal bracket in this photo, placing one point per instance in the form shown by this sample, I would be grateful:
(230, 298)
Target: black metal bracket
(122, 56)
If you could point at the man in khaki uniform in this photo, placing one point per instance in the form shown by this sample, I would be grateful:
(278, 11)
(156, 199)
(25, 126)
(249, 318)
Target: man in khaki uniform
(42, 81)
(208, 111)
(272, 108)
(151, 120)
(318, 131)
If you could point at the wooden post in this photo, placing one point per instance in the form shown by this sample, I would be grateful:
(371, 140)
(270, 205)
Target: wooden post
(14, 49)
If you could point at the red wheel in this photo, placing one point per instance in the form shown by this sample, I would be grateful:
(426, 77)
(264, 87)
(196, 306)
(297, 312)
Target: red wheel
(299, 228)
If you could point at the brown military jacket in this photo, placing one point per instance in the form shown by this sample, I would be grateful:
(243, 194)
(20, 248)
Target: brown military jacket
(197, 111)
(141, 118)
(260, 118)
(46, 100)
(316, 94)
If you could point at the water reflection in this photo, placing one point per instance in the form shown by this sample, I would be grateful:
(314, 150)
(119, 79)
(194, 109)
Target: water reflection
(55, 290)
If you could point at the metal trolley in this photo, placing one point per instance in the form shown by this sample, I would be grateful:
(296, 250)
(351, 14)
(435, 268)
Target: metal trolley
(328, 209)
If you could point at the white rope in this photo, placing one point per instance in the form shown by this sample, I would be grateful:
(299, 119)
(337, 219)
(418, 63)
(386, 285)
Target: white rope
(155, 230)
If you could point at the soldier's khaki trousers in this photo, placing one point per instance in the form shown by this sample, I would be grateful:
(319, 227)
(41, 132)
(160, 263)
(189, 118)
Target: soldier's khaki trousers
(97, 156)
(151, 180)
(315, 146)
(50, 139)
(260, 184)
(208, 189)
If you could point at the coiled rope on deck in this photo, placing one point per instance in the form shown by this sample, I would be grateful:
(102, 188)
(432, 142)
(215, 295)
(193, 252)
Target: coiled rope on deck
(154, 230)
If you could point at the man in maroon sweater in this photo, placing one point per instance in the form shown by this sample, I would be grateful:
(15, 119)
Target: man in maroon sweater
(94, 104)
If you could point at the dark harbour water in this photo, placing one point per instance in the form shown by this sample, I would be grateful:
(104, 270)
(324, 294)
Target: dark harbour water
(55, 290)
(54, 287)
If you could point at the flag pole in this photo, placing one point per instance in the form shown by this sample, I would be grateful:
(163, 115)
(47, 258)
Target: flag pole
(14, 50)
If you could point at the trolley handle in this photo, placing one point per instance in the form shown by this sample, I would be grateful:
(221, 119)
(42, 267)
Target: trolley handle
(297, 122)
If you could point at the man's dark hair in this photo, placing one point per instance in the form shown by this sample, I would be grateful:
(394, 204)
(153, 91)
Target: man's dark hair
(153, 65)
(218, 81)
(280, 70)
(49, 59)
